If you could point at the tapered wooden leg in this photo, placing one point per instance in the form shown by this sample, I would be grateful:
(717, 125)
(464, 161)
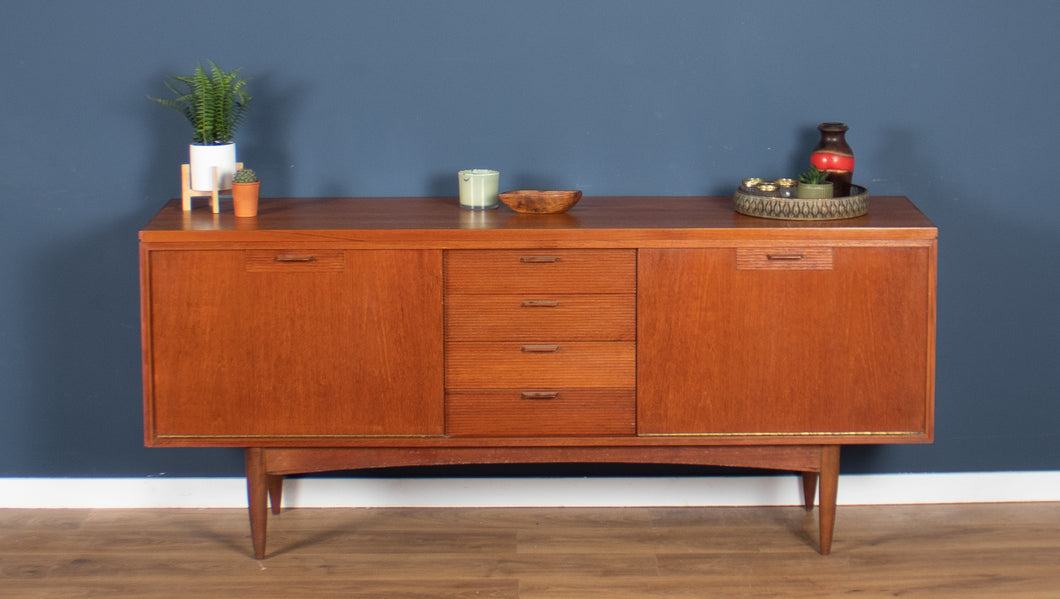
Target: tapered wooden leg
(809, 489)
(275, 491)
(829, 481)
(257, 498)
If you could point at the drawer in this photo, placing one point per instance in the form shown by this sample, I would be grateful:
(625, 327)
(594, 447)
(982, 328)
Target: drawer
(540, 413)
(494, 365)
(541, 316)
(294, 260)
(540, 270)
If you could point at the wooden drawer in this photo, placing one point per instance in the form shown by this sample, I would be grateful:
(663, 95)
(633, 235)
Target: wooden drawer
(540, 413)
(542, 316)
(486, 365)
(537, 271)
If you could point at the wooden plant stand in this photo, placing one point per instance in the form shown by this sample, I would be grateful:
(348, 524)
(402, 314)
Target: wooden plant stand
(187, 193)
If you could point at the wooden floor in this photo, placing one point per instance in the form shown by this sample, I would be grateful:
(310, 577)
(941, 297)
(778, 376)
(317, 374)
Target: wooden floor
(937, 551)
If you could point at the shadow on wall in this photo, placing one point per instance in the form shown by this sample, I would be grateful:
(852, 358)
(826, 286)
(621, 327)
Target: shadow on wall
(265, 139)
(262, 141)
(798, 161)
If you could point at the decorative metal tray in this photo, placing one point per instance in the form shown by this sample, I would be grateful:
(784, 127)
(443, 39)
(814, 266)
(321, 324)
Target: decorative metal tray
(856, 204)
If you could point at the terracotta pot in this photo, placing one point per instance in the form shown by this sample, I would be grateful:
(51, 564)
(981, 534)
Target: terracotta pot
(245, 198)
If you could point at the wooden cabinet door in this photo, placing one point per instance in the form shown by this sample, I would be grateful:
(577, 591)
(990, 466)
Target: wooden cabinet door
(262, 344)
(786, 341)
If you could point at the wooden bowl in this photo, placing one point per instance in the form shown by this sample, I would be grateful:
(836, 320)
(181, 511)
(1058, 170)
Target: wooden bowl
(540, 202)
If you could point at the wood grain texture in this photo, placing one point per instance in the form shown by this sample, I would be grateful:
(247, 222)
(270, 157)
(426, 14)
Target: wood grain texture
(297, 260)
(541, 316)
(976, 551)
(511, 364)
(245, 352)
(594, 222)
(549, 413)
(784, 258)
(319, 330)
(801, 458)
(841, 350)
(540, 270)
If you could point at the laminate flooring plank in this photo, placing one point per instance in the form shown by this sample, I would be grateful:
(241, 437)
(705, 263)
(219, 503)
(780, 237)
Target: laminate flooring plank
(936, 551)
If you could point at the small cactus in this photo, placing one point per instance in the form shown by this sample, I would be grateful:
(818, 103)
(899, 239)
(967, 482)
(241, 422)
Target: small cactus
(813, 176)
(245, 175)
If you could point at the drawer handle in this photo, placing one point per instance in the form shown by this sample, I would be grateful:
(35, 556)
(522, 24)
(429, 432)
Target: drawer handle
(295, 258)
(786, 257)
(540, 395)
(539, 259)
(540, 349)
(540, 304)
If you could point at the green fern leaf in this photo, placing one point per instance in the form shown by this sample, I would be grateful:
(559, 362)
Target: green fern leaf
(213, 101)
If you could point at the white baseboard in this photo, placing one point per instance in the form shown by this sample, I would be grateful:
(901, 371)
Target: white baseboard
(875, 489)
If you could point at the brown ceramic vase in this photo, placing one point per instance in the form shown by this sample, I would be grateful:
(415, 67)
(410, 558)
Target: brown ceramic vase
(833, 155)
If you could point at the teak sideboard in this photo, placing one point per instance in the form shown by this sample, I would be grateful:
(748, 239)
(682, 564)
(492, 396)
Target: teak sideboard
(342, 333)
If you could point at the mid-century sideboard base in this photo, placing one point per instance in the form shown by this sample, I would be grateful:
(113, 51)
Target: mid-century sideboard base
(266, 467)
(332, 334)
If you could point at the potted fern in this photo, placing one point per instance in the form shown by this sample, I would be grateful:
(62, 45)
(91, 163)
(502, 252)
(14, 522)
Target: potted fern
(215, 102)
(814, 184)
(245, 186)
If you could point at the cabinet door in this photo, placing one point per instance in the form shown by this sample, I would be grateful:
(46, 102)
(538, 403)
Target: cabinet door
(786, 341)
(263, 343)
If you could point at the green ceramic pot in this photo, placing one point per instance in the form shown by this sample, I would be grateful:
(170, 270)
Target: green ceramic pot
(814, 191)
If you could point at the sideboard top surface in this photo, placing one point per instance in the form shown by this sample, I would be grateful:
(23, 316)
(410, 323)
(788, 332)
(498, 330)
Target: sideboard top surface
(628, 220)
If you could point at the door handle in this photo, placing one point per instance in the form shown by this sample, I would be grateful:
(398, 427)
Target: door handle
(540, 349)
(294, 258)
(540, 395)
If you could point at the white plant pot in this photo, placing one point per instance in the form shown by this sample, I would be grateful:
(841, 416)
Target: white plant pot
(203, 159)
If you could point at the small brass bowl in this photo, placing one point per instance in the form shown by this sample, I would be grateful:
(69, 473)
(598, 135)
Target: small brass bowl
(540, 202)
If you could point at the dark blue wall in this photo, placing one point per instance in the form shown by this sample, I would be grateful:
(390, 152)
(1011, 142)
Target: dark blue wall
(951, 102)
